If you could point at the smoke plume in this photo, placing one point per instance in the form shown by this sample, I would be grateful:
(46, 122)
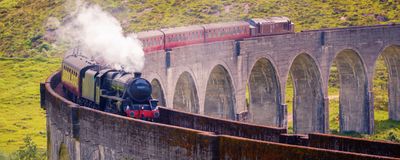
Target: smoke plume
(100, 36)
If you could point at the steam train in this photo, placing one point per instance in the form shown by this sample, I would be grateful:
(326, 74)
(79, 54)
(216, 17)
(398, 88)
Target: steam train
(90, 84)
(165, 39)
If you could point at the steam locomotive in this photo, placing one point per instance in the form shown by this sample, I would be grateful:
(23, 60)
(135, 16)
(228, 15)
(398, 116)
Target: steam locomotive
(97, 86)
(165, 39)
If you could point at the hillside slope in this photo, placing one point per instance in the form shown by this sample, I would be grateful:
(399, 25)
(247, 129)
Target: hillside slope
(23, 22)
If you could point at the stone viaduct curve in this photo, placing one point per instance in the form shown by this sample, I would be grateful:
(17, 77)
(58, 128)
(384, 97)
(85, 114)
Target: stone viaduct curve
(77, 132)
(211, 78)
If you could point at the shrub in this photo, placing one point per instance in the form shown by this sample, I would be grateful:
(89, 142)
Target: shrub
(29, 151)
(393, 137)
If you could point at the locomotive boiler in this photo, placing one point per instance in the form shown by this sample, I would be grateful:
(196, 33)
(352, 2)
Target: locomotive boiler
(97, 86)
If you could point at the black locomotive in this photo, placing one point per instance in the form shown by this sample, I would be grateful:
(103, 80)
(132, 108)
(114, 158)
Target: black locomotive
(91, 84)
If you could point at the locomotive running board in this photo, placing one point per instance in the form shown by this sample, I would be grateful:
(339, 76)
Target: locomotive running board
(113, 98)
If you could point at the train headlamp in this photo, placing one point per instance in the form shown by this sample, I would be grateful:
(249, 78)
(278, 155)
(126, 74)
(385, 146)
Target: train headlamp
(132, 114)
(156, 114)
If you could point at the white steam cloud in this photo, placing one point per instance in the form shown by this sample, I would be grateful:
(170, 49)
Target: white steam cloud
(100, 36)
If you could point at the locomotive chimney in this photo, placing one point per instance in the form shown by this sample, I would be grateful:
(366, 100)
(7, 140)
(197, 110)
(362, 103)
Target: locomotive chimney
(137, 74)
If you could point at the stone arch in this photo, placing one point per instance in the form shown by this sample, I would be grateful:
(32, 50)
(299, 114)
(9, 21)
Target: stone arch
(185, 95)
(63, 153)
(353, 113)
(220, 95)
(391, 56)
(158, 92)
(308, 103)
(264, 93)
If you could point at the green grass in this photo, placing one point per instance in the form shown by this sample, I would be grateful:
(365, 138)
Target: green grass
(23, 26)
(21, 114)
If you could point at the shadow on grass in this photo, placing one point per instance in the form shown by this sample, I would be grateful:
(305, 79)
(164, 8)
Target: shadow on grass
(3, 156)
(385, 125)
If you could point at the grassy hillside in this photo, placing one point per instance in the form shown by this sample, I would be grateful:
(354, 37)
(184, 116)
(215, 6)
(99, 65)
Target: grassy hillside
(21, 114)
(26, 30)
(22, 26)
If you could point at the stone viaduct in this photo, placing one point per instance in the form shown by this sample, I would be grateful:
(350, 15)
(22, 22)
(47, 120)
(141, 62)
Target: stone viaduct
(211, 79)
(77, 132)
